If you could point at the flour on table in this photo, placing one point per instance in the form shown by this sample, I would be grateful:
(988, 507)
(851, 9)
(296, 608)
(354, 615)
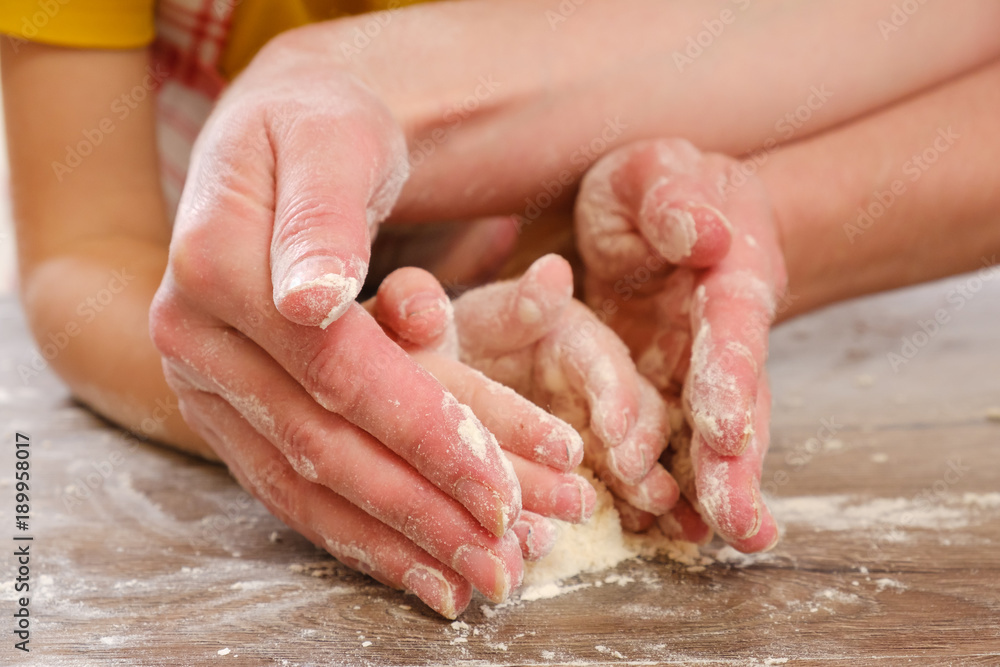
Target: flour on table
(597, 545)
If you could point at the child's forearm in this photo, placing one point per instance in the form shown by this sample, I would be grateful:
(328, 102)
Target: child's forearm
(92, 232)
(88, 310)
(907, 195)
(535, 96)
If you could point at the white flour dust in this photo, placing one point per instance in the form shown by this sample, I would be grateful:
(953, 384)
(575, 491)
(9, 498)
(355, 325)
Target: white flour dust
(599, 544)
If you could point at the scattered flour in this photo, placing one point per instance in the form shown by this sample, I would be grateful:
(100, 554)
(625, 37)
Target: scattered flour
(840, 512)
(596, 545)
(885, 582)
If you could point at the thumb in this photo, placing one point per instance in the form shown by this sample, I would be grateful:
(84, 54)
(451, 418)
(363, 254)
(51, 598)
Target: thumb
(336, 176)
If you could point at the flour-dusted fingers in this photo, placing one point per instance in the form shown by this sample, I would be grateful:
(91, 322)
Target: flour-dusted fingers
(584, 357)
(352, 369)
(768, 534)
(650, 204)
(326, 204)
(520, 426)
(683, 522)
(298, 175)
(731, 315)
(558, 495)
(656, 493)
(631, 461)
(413, 305)
(330, 451)
(507, 316)
(536, 535)
(327, 519)
(680, 212)
(663, 356)
(728, 487)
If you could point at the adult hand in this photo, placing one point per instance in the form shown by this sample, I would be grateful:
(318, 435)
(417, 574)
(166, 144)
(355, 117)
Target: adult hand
(687, 268)
(315, 410)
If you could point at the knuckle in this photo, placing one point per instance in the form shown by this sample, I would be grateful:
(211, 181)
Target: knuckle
(325, 370)
(297, 440)
(164, 324)
(193, 256)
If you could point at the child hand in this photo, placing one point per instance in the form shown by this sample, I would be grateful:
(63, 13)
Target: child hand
(687, 268)
(530, 335)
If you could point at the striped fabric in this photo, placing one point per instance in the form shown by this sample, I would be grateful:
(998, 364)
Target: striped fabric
(190, 37)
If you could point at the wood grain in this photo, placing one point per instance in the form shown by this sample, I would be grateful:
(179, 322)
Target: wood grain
(146, 557)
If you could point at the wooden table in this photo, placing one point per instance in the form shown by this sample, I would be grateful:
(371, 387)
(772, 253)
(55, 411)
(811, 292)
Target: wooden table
(886, 482)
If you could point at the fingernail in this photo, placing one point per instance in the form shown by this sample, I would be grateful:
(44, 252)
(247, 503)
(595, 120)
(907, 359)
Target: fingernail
(326, 276)
(622, 462)
(561, 448)
(613, 428)
(758, 509)
(471, 560)
(422, 303)
(485, 504)
(430, 586)
(571, 501)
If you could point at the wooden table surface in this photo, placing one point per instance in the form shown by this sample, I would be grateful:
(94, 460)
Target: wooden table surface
(887, 483)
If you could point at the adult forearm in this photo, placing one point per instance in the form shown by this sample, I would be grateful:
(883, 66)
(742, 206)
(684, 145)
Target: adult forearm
(906, 195)
(498, 99)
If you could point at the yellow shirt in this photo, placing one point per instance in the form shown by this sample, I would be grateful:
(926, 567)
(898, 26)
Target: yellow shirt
(129, 24)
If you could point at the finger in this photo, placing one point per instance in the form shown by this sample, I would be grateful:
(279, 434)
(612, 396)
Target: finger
(683, 522)
(520, 426)
(651, 198)
(584, 357)
(656, 493)
(731, 314)
(326, 449)
(631, 461)
(353, 370)
(535, 534)
(412, 304)
(335, 178)
(506, 316)
(633, 520)
(663, 358)
(325, 518)
(679, 214)
(563, 496)
(728, 487)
